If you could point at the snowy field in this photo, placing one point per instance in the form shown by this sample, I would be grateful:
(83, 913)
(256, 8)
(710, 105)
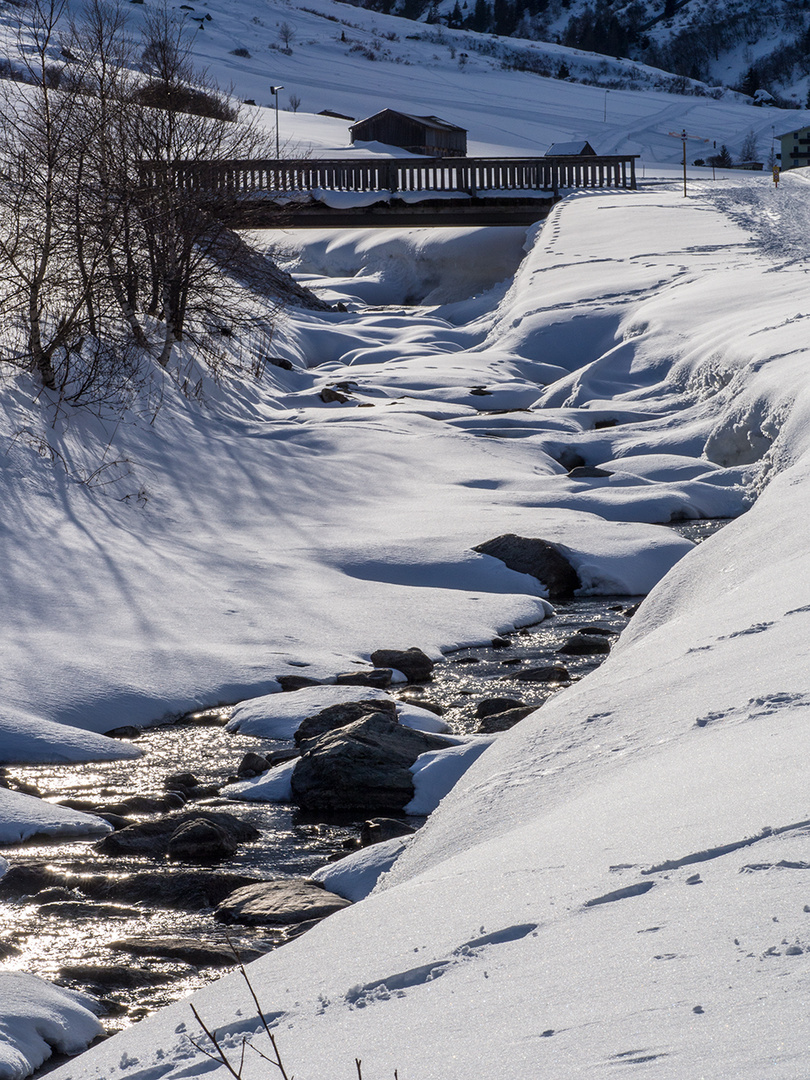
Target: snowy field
(620, 878)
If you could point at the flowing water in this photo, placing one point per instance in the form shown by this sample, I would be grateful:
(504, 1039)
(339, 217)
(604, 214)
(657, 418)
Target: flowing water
(70, 932)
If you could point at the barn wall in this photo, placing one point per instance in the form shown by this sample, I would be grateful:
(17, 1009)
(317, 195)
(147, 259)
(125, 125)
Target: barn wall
(416, 138)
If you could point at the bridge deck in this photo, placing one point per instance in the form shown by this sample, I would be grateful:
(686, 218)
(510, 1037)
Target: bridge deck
(254, 191)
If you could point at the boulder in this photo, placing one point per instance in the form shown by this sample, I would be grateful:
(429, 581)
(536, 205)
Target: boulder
(363, 766)
(375, 830)
(152, 837)
(379, 678)
(180, 781)
(584, 645)
(252, 764)
(543, 560)
(492, 705)
(278, 757)
(279, 903)
(548, 673)
(127, 731)
(200, 841)
(329, 394)
(290, 683)
(188, 950)
(415, 665)
(144, 804)
(502, 721)
(105, 977)
(336, 716)
(422, 703)
(178, 889)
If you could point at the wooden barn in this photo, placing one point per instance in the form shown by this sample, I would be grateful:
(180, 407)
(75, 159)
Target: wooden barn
(427, 135)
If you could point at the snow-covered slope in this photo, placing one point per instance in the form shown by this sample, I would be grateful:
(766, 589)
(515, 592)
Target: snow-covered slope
(355, 62)
(620, 878)
(264, 529)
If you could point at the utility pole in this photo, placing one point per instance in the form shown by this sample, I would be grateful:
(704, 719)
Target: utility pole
(682, 135)
(274, 91)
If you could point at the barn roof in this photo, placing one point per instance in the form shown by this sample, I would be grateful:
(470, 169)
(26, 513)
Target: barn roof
(570, 149)
(433, 122)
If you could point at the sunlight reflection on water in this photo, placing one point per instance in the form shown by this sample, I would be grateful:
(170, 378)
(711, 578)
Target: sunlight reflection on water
(64, 930)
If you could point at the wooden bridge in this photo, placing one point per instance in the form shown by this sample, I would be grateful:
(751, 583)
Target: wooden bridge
(428, 191)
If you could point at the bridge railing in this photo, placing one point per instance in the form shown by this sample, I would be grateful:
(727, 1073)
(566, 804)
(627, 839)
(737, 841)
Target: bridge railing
(469, 176)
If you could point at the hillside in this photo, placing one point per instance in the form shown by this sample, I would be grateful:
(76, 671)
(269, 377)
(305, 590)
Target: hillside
(351, 60)
(730, 44)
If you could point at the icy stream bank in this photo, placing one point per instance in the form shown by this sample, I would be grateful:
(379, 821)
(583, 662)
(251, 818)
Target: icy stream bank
(66, 934)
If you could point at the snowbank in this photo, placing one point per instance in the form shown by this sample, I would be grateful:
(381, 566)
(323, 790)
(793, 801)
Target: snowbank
(23, 816)
(437, 772)
(36, 1019)
(278, 716)
(389, 266)
(274, 786)
(35, 740)
(354, 876)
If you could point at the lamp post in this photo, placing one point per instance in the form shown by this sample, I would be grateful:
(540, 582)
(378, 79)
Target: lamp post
(604, 118)
(274, 91)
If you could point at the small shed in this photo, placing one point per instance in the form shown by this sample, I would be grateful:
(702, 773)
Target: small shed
(579, 148)
(427, 135)
(795, 148)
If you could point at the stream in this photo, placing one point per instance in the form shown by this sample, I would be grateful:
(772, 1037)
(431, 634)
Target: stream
(89, 922)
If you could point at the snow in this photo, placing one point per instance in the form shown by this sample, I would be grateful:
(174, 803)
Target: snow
(437, 772)
(278, 716)
(273, 786)
(381, 266)
(618, 878)
(23, 816)
(550, 905)
(37, 1018)
(36, 740)
(354, 876)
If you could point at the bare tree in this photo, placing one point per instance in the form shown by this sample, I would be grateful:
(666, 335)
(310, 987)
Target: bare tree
(43, 294)
(295, 103)
(749, 148)
(286, 35)
(179, 155)
(114, 244)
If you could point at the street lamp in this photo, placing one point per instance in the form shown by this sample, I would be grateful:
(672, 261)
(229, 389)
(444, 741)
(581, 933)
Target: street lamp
(274, 91)
(604, 118)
